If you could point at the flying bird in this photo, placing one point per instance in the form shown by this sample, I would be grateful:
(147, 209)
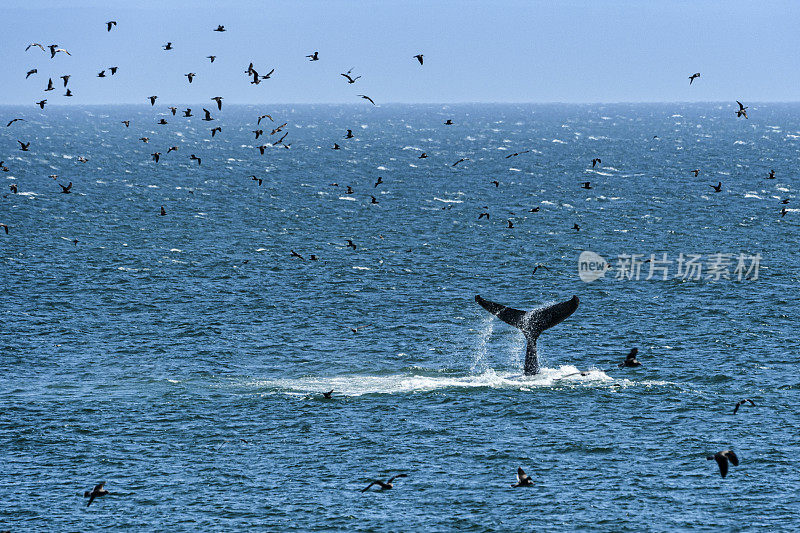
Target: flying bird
(195, 158)
(65, 77)
(264, 116)
(162, 121)
(517, 153)
(216, 130)
(349, 79)
(460, 161)
(380, 180)
(49, 84)
(220, 28)
(163, 212)
(66, 190)
(383, 486)
(208, 116)
(218, 100)
(717, 187)
(741, 403)
(327, 395)
(187, 112)
(30, 73)
(168, 46)
(771, 175)
(24, 146)
(110, 24)
(172, 149)
(539, 265)
(35, 44)
(156, 156)
(448, 122)
(418, 57)
(596, 161)
(695, 172)
(693, 76)
(365, 97)
(722, 458)
(191, 76)
(14, 120)
(212, 58)
(96, 492)
(101, 74)
(741, 112)
(113, 70)
(350, 244)
(68, 93)
(314, 56)
(152, 100)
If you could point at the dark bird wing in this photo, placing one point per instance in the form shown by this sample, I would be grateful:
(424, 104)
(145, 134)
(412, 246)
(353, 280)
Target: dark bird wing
(738, 404)
(397, 476)
(731, 457)
(722, 462)
(369, 486)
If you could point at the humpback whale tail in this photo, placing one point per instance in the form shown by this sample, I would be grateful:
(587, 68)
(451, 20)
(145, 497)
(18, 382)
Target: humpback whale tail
(531, 323)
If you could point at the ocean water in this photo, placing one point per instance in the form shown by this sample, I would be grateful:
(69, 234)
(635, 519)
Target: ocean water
(142, 355)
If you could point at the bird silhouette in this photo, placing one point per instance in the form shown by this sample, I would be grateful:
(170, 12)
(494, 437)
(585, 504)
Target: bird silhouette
(722, 458)
(418, 57)
(96, 492)
(741, 403)
(383, 486)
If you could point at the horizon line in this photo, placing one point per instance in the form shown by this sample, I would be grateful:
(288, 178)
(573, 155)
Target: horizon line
(627, 102)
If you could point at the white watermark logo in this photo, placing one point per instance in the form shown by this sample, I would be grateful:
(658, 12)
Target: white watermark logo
(694, 267)
(591, 266)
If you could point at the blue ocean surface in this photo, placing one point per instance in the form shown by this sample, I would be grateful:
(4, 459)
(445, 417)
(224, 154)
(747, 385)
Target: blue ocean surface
(181, 358)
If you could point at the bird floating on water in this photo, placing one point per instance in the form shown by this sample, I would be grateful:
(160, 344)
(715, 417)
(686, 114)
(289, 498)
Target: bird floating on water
(523, 479)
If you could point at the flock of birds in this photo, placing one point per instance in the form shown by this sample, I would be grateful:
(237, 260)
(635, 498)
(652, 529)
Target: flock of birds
(722, 458)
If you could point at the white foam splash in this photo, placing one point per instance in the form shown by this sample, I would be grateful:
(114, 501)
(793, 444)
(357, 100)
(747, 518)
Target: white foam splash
(408, 383)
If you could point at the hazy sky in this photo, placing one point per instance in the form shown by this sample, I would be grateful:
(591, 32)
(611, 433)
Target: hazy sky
(512, 51)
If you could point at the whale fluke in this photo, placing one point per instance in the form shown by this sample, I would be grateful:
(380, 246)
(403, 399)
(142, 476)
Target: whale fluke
(531, 323)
